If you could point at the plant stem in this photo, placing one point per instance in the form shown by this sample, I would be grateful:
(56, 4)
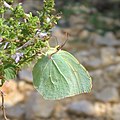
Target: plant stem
(3, 106)
(7, 5)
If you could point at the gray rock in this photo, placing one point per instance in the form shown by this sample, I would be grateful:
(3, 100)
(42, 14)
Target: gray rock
(13, 98)
(108, 55)
(87, 53)
(113, 77)
(13, 95)
(110, 35)
(116, 112)
(98, 81)
(24, 87)
(89, 58)
(103, 110)
(107, 40)
(31, 5)
(118, 34)
(26, 75)
(82, 107)
(37, 107)
(15, 112)
(83, 35)
(76, 20)
(108, 94)
(94, 64)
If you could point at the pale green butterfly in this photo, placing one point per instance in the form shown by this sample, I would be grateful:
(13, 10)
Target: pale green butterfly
(58, 74)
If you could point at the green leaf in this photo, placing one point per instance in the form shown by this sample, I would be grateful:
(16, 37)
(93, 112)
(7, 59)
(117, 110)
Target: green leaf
(60, 76)
(9, 72)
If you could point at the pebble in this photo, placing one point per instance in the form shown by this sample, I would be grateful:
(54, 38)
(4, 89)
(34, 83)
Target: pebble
(108, 94)
(116, 112)
(12, 94)
(89, 58)
(37, 107)
(108, 55)
(23, 86)
(98, 81)
(114, 77)
(94, 64)
(107, 40)
(16, 112)
(84, 35)
(102, 109)
(76, 20)
(82, 107)
(26, 75)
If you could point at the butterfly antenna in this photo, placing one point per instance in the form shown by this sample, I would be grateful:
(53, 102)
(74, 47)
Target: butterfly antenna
(61, 46)
(56, 39)
(64, 42)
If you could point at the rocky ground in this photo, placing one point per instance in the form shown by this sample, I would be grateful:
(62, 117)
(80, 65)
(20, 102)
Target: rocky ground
(100, 54)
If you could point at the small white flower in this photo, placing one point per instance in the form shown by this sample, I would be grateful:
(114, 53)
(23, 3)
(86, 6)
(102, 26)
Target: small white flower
(1, 43)
(17, 57)
(48, 19)
(42, 34)
(6, 44)
(7, 5)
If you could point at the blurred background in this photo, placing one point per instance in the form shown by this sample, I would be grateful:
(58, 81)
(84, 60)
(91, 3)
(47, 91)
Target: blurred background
(94, 39)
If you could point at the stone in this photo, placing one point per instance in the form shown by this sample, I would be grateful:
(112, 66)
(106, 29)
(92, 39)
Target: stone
(37, 107)
(23, 86)
(113, 77)
(98, 81)
(84, 35)
(107, 40)
(110, 35)
(108, 55)
(116, 111)
(9, 86)
(12, 94)
(118, 34)
(16, 112)
(99, 109)
(94, 64)
(87, 53)
(13, 98)
(118, 51)
(102, 109)
(89, 58)
(74, 30)
(26, 74)
(76, 20)
(108, 94)
(83, 107)
(60, 111)
(31, 5)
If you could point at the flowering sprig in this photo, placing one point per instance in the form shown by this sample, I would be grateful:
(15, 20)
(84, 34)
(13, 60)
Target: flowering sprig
(23, 36)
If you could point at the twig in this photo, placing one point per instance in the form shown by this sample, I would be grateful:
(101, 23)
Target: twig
(24, 45)
(3, 106)
(1, 81)
(7, 5)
